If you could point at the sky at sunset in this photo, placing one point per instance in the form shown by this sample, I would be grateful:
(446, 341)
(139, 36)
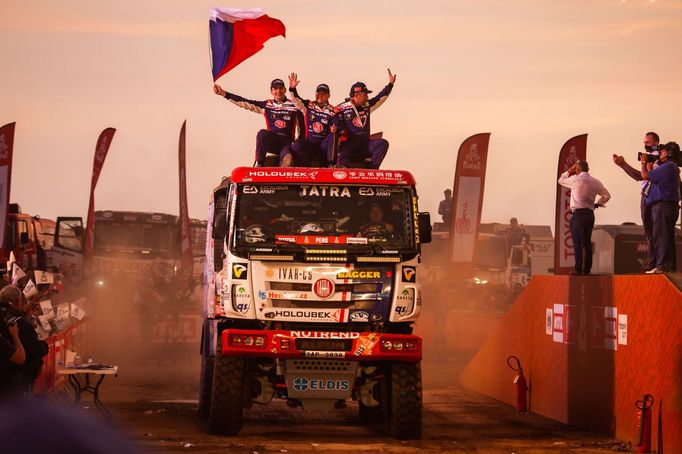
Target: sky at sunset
(532, 72)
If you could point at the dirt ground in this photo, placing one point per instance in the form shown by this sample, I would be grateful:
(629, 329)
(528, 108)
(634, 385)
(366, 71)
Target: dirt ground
(155, 407)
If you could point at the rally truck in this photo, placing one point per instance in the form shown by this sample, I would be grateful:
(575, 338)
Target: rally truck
(311, 295)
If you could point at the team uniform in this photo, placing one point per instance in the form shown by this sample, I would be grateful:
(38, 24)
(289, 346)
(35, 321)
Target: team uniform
(318, 143)
(354, 123)
(281, 121)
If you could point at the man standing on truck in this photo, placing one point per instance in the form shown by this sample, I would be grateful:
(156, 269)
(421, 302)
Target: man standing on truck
(353, 121)
(318, 143)
(281, 120)
(584, 189)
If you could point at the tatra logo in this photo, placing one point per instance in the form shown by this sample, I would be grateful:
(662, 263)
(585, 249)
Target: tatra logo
(472, 160)
(323, 288)
(409, 274)
(239, 271)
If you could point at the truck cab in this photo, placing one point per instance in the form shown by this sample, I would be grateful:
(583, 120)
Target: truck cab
(311, 294)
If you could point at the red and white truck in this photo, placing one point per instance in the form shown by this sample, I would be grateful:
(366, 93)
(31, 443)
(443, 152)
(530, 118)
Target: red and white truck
(311, 295)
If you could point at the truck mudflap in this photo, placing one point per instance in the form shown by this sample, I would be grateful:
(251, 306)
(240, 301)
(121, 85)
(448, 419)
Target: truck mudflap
(350, 346)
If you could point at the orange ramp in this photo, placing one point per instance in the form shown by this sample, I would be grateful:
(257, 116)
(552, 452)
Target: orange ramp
(591, 346)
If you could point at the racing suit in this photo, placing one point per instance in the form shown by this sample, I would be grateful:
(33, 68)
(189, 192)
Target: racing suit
(354, 123)
(281, 121)
(318, 143)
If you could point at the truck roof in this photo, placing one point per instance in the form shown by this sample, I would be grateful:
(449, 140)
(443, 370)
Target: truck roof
(321, 175)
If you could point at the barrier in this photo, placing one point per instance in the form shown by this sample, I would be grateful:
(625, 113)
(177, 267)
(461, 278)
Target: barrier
(70, 339)
(591, 346)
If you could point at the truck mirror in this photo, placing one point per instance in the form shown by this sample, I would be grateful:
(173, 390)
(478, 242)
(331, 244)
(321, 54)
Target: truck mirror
(23, 238)
(424, 227)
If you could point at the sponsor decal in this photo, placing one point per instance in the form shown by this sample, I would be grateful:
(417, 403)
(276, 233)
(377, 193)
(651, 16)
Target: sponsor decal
(286, 295)
(262, 294)
(340, 174)
(355, 240)
(323, 288)
(324, 334)
(303, 384)
(250, 190)
(359, 316)
(401, 310)
(358, 274)
(472, 160)
(294, 274)
(239, 271)
(241, 308)
(280, 124)
(269, 273)
(358, 122)
(324, 191)
(376, 317)
(365, 345)
(317, 127)
(335, 316)
(282, 174)
(409, 274)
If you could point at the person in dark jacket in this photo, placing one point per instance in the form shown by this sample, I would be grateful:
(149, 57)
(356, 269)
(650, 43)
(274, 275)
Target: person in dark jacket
(664, 200)
(22, 377)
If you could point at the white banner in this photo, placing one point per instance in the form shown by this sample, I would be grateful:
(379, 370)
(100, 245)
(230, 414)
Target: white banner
(464, 238)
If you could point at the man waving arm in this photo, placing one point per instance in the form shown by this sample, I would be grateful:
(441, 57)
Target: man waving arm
(382, 96)
(253, 106)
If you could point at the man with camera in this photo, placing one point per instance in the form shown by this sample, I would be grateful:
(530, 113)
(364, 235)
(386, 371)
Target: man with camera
(584, 190)
(22, 377)
(664, 199)
(651, 145)
(11, 350)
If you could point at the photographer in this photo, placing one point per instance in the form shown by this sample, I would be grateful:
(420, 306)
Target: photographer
(22, 377)
(651, 145)
(11, 351)
(664, 198)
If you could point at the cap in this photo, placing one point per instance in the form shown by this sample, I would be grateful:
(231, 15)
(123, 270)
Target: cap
(276, 82)
(358, 87)
(324, 88)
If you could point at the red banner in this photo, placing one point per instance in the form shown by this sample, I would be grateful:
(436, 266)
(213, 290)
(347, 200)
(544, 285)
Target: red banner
(573, 150)
(185, 240)
(468, 197)
(6, 149)
(101, 151)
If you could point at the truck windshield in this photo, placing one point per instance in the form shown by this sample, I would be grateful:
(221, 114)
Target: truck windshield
(133, 237)
(354, 216)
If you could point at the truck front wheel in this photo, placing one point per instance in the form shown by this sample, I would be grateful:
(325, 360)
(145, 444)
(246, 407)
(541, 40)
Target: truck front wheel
(405, 405)
(205, 385)
(227, 396)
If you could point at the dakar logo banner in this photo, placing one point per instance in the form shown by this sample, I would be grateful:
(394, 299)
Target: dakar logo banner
(468, 197)
(573, 150)
(6, 148)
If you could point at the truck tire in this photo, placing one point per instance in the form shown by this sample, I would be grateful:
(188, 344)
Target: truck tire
(205, 385)
(405, 405)
(227, 395)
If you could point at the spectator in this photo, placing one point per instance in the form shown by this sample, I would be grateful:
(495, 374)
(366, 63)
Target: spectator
(11, 351)
(584, 190)
(651, 141)
(445, 209)
(664, 200)
(22, 377)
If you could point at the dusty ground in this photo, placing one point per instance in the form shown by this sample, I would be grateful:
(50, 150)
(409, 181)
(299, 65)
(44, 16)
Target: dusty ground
(155, 406)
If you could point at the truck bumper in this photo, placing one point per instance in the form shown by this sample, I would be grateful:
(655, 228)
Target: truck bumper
(349, 346)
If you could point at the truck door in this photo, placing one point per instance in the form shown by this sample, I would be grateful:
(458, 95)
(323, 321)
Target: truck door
(26, 251)
(67, 253)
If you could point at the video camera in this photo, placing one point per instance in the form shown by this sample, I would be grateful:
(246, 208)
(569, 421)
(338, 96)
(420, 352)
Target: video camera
(651, 152)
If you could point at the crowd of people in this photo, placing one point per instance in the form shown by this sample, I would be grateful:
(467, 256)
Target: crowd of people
(22, 347)
(314, 133)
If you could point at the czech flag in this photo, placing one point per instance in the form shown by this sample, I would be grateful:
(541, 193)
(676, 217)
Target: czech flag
(237, 34)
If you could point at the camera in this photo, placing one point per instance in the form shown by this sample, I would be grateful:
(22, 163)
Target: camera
(651, 153)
